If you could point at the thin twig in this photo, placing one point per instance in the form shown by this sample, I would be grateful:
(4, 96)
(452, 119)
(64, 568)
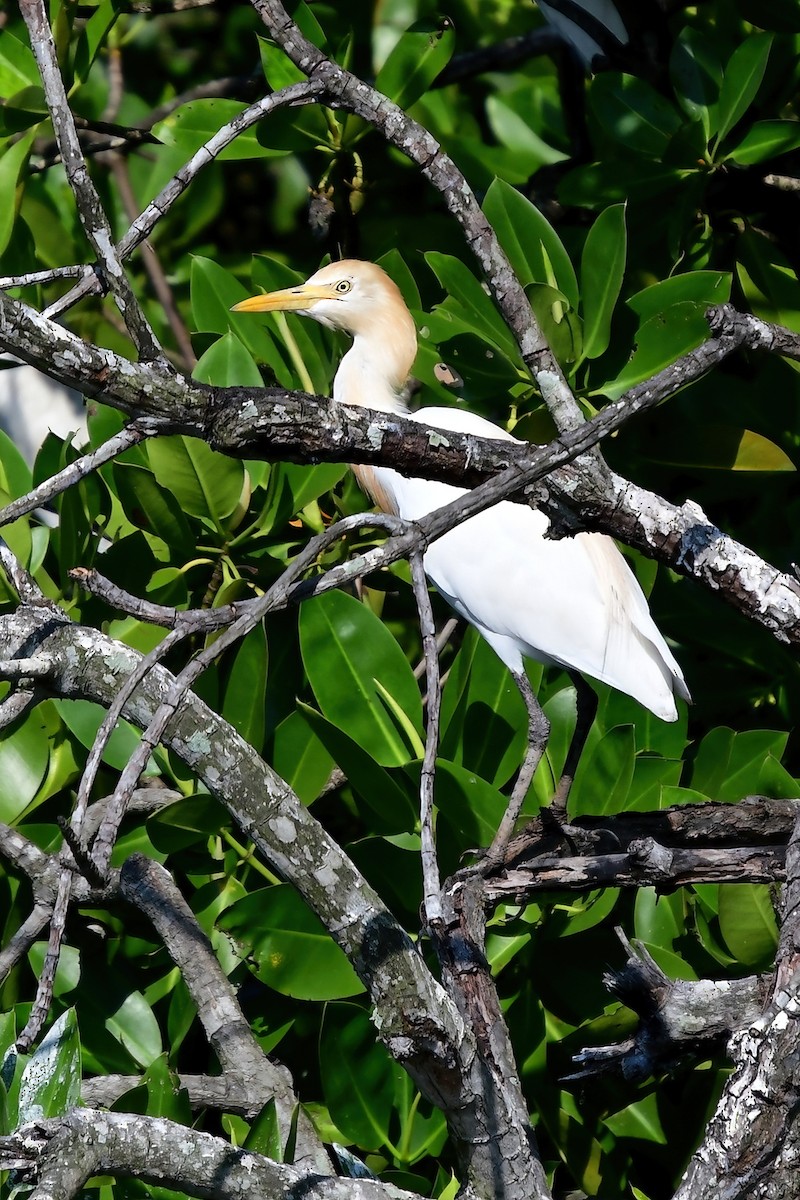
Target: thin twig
(90, 209)
(130, 436)
(24, 938)
(431, 886)
(44, 990)
(34, 277)
(297, 93)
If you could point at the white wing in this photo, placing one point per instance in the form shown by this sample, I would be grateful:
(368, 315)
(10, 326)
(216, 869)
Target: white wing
(574, 601)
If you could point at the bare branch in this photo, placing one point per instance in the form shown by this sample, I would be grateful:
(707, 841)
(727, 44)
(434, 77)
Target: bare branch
(93, 218)
(432, 900)
(62, 1154)
(130, 436)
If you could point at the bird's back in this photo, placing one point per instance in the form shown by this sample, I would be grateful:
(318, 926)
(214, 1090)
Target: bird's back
(574, 601)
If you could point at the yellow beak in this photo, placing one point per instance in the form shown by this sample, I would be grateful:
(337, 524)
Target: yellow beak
(301, 297)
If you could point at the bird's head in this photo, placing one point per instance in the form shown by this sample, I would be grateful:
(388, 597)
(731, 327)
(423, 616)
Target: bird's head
(358, 297)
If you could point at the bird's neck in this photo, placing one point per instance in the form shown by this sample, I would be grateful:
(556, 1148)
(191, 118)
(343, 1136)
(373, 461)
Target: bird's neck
(374, 371)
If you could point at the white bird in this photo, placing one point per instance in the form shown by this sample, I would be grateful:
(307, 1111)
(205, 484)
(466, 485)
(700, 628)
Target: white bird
(573, 602)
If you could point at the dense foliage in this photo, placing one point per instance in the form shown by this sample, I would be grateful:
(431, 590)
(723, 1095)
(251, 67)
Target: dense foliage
(627, 210)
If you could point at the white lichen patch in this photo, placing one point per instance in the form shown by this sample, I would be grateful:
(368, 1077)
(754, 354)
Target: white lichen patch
(284, 829)
(199, 743)
(437, 439)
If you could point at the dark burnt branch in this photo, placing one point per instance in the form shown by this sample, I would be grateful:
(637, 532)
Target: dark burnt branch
(698, 843)
(678, 1019)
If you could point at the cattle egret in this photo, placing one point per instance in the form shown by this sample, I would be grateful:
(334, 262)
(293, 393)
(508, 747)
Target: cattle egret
(573, 602)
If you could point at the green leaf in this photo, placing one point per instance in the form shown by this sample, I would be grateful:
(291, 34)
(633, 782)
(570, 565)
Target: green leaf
(17, 65)
(421, 54)
(729, 766)
(698, 287)
(532, 245)
(602, 271)
(378, 788)
(214, 291)
(227, 363)
(293, 952)
(11, 165)
(747, 923)
(24, 753)
(483, 716)
(244, 704)
(766, 139)
(659, 342)
(720, 447)
(51, 1081)
(358, 1076)
(696, 73)
(468, 304)
(135, 1027)
(768, 280)
(151, 507)
(639, 1120)
(742, 79)
(204, 483)
(83, 718)
(514, 130)
(603, 778)
(193, 124)
(634, 114)
(265, 1133)
(346, 651)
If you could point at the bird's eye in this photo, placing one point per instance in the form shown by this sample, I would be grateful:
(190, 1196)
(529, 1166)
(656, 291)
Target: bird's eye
(344, 285)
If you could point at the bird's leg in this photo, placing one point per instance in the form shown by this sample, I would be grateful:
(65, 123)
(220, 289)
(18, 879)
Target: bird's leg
(586, 701)
(538, 733)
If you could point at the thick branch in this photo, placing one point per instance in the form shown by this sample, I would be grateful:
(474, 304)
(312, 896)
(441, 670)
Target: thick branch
(62, 1154)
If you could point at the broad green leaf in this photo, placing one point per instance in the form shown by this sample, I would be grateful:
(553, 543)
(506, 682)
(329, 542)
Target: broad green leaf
(483, 716)
(766, 139)
(15, 474)
(265, 1133)
(603, 778)
(729, 766)
(533, 246)
(307, 345)
(638, 118)
(204, 483)
(742, 79)
(748, 925)
(214, 291)
(696, 73)
(24, 753)
(720, 447)
(11, 165)
(358, 1076)
(638, 1120)
(768, 280)
(389, 801)
(346, 650)
(468, 303)
(421, 54)
(516, 133)
(300, 758)
(279, 70)
(135, 1027)
(602, 270)
(192, 125)
(659, 342)
(151, 507)
(228, 364)
(244, 704)
(470, 810)
(51, 1081)
(17, 65)
(93, 38)
(293, 952)
(699, 287)
(83, 718)
(165, 1097)
(659, 919)
(68, 971)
